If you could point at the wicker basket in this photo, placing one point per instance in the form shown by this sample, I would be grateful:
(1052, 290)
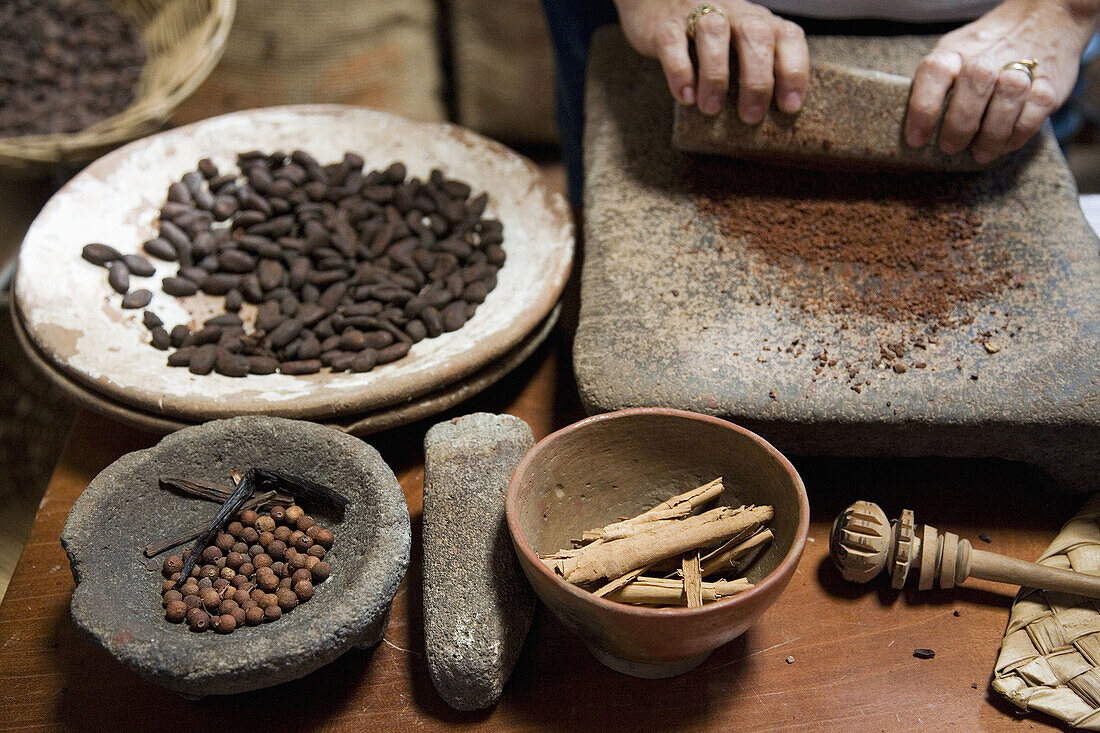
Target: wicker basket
(183, 39)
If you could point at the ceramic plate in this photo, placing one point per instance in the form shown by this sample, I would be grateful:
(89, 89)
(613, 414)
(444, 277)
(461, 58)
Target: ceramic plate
(76, 322)
(360, 424)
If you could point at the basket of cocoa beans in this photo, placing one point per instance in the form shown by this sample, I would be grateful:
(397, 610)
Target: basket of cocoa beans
(80, 77)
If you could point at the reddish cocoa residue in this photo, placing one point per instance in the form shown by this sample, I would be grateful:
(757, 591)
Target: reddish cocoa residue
(900, 250)
(897, 259)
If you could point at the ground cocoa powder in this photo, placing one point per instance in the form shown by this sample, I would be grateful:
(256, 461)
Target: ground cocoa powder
(900, 249)
(895, 256)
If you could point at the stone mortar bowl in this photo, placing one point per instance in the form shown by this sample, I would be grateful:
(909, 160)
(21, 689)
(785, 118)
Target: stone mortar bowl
(116, 602)
(613, 466)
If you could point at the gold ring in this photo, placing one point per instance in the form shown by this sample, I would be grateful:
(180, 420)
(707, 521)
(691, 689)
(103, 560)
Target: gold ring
(1028, 66)
(698, 13)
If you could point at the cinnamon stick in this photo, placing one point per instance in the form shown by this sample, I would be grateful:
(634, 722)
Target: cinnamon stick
(677, 507)
(693, 580)
(648, 591)
(619, 582)
(725, 559)
(618, 557)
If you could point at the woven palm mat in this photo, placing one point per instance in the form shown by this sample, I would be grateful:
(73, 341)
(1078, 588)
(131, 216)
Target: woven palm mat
(1050, 656)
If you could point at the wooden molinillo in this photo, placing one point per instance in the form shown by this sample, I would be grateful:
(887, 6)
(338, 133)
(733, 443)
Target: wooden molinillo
(863, 543)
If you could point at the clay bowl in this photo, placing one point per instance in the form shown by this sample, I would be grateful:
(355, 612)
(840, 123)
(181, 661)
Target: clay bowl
(615, 466)
(116, 602)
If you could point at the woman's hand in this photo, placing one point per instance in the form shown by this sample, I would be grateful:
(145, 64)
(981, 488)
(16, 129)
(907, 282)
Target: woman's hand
(995, 110)
(771, 53)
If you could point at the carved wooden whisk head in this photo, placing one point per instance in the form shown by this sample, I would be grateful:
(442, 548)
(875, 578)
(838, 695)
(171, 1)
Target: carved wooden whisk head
(864, 542)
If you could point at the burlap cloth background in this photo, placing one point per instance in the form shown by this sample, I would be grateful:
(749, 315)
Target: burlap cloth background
(1050, 656)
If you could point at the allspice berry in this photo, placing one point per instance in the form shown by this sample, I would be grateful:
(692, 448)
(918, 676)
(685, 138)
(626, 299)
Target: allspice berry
(254, 616)
(210, 597)
(303, 589)
(172, 564)
(325, 538)
(287, 599)
(225, 624)
(267, 582)
(175, 611)
(198, 619)
(293, 514)
(260, 567)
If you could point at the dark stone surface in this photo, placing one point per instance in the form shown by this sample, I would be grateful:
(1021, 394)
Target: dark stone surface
(116, 602)
(668, 318)
(477, 604)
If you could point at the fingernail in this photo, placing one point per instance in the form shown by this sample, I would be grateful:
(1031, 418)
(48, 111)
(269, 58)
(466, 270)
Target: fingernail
(981, 157)
(752, 115)
(791, 101)
(687, 95)
(914, 138)
(949, 149)
(712, 105)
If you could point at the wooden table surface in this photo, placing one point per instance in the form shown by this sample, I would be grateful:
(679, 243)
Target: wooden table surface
(828, 655)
